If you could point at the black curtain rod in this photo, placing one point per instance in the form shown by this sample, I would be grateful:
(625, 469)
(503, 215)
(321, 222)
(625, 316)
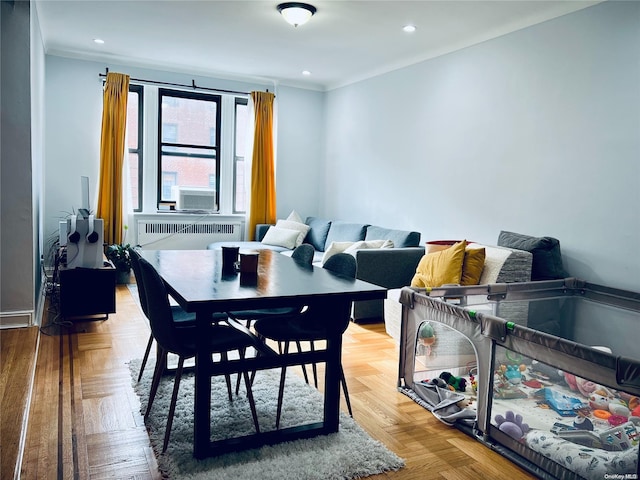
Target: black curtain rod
(193, 84)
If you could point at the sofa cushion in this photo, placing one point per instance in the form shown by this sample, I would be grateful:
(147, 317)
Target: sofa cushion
(400, 238)
(345, 232)
(440, 268)
(318, 230)
(547, 259)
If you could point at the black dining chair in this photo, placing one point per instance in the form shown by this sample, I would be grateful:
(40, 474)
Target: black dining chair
(180, 317)
(300, 327)
(222, 338)
(302, 254)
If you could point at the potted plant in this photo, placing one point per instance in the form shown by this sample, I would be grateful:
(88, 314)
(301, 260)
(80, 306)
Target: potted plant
(118, 254)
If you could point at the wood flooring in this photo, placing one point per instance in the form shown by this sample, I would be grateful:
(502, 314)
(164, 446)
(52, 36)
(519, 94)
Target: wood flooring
(85, 422)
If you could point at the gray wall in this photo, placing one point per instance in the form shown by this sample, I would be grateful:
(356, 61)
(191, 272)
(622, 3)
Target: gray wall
(536, 132)
(17, 285)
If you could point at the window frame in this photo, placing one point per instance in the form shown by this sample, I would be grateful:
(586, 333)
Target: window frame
(139, 151)
(237, 101)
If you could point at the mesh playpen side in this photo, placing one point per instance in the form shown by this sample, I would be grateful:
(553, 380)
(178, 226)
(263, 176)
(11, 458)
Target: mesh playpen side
(476, 342)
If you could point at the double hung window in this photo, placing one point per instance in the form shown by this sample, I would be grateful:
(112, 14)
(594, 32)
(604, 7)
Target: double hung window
(199, 152)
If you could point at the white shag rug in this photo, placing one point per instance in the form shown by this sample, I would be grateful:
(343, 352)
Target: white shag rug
(349, 454)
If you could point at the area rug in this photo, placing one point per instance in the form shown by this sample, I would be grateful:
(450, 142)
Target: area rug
(349, 454)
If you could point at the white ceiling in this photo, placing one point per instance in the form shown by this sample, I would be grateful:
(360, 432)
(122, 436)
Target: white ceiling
(345, 41)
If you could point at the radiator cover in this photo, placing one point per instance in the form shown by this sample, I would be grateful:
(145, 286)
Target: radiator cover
(185, 235)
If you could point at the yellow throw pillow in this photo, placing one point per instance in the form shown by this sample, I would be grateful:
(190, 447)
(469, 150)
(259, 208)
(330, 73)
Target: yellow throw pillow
(472, 266)
(436, 269)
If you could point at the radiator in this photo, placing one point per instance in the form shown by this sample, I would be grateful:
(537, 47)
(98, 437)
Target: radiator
(181, 235)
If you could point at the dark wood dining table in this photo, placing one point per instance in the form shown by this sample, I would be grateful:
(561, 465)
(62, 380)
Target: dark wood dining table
(196, 280)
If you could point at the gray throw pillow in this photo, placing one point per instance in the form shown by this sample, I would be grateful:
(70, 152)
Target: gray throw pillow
(547, 259)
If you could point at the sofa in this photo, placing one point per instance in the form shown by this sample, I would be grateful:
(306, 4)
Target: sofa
(391, 266)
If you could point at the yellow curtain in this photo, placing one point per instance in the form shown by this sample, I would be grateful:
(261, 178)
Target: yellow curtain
(114, 126)
(263, 181)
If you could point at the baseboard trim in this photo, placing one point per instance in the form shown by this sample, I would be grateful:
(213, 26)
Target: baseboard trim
(16, 319)
(27, 410)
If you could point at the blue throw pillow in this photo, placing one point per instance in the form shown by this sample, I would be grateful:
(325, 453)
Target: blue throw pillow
(317, 234)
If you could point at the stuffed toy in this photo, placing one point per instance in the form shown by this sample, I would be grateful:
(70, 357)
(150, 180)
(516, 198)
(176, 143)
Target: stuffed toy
(459, 384)
(585, 387)
(512, 425)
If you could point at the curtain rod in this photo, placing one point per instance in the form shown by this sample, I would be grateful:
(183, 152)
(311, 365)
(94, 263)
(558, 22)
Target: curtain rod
(193, 84)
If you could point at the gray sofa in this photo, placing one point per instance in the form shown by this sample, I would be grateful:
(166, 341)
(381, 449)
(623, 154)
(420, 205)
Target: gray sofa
(388, 267)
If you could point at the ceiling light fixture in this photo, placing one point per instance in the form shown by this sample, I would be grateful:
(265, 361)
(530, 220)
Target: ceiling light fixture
(409, 28)
(296, 13)
(99, 41)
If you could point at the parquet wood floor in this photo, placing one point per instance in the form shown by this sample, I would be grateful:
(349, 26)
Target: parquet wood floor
(85, 422)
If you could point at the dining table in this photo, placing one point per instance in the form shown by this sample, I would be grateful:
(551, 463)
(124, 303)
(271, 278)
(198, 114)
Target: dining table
(198, 282)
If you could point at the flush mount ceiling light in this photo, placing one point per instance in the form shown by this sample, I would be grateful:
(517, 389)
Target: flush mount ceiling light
(296, 13)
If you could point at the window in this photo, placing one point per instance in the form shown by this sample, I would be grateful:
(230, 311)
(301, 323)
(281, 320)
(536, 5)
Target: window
(199, 158)
(134, 144)
(188, 151)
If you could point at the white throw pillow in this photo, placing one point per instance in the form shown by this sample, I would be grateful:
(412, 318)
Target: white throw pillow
(368, 244)
(294, 217)
(301, 228)
(335, 247)
(281, 237)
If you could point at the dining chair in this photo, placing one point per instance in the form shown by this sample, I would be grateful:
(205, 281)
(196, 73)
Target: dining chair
(181, 341)
(299, 327)
(180, 317)
(302, 254)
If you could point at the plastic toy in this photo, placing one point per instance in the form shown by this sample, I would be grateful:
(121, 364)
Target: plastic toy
(512, 425)
(426, 336)
(458, 383)
(473, 382)
(513, 374)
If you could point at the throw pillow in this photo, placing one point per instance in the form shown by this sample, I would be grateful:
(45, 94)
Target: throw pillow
(291, 225)
(294, 217)
(547, 259)
(317, 236)
(281, 237)
(335, 247)
(439, 268)
(472, 265)
(368, 244)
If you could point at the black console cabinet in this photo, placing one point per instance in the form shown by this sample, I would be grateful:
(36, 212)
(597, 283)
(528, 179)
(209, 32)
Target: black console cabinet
(86, 292)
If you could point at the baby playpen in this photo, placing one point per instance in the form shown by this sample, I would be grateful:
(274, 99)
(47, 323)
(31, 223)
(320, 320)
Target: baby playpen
(547, 373)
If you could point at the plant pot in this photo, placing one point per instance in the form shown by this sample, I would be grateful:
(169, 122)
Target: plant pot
(123, 277)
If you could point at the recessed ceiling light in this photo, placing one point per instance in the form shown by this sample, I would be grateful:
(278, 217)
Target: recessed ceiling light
(409, 28)
(306, 73)
(98, 41)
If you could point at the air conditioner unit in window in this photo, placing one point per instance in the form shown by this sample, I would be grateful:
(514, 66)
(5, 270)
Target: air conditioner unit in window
(194, 198)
